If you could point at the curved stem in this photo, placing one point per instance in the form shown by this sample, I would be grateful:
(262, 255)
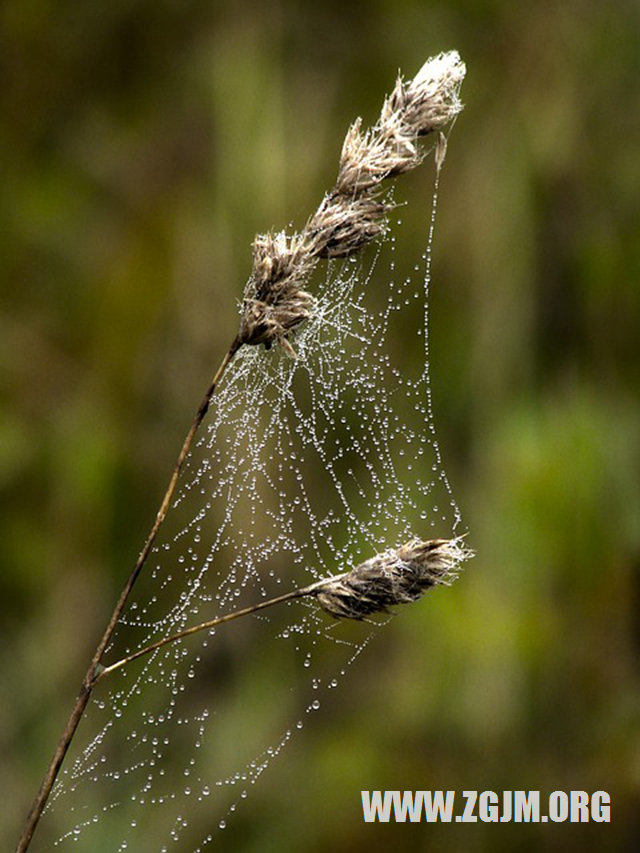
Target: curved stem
(90, 678)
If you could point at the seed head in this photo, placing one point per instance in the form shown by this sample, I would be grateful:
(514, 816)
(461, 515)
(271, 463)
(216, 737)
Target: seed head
(414, 109)
(274, 302)
(397, 576)
(354, 212)
(342, 225)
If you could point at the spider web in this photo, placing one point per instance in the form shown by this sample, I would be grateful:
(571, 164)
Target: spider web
(307, 467)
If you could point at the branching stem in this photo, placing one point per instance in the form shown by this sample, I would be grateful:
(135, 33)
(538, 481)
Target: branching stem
(351, 216)
(211, 623)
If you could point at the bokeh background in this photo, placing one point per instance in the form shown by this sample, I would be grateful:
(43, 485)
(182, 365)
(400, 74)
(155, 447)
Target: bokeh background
(143, 145)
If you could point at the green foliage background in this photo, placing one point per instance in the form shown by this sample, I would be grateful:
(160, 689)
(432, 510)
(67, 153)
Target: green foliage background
(143, 145)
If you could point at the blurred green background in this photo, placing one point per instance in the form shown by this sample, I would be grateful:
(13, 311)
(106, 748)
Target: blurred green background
(143, 145)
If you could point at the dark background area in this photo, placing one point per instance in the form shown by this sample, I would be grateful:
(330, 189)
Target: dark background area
(143, 145)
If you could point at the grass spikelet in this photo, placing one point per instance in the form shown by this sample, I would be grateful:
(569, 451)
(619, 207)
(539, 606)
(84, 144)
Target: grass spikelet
(354, 213)
(397, 576)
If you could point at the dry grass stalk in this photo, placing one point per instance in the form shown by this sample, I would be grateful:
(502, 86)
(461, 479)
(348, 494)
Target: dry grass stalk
(275, 302)
(354, 212)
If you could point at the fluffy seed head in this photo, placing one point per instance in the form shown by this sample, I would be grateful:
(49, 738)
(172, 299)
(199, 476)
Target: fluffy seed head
(274, 302)
(415, 108)
(397, 576)
(342, 225)
(432, 99)
(355, 212)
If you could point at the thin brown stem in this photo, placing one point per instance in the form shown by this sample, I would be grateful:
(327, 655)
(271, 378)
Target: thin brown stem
(90, 678)
(203, 626)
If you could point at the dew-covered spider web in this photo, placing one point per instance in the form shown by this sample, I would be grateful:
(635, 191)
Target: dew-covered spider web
(304, 468)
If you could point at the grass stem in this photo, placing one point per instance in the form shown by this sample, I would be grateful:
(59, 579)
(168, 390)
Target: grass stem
(90, 679)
